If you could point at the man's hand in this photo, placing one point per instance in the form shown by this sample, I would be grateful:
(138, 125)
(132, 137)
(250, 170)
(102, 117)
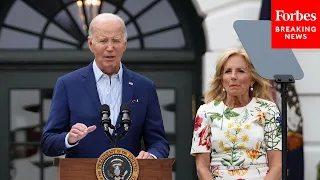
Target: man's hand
(79, 131)
(144, 155)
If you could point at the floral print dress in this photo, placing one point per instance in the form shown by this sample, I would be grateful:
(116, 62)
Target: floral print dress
(237, 138)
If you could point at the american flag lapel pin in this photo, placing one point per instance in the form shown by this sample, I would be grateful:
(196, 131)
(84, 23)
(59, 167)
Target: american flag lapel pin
(135, 100)
(131, 83)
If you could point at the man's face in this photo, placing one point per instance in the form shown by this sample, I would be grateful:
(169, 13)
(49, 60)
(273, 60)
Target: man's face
(108, 45)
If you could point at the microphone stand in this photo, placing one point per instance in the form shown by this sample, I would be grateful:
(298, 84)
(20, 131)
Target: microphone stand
(115, 138)
(108, 133)
(123, 134)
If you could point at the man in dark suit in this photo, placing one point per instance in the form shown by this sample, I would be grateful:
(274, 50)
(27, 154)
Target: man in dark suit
(73, 127)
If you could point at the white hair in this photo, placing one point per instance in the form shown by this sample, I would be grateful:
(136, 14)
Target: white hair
(108, 16)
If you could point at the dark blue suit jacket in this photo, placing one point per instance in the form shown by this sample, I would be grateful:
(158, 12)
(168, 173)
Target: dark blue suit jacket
(76, 100)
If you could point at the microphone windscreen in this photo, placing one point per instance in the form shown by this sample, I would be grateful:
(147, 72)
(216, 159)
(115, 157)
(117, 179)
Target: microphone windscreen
(105, 107)
(125, 107)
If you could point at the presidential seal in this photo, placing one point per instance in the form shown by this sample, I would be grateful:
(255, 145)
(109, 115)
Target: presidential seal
(117, 164)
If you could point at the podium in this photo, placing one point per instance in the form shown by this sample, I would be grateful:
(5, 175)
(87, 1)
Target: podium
(85, 168)
(114, 163)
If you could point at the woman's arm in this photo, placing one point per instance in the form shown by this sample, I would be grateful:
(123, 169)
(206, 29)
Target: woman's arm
(201, 145)
(273, 139)
(203, 166)
(275, 165)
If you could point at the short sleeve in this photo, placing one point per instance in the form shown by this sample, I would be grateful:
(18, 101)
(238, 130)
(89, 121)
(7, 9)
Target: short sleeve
(273, 129)
(201, 133)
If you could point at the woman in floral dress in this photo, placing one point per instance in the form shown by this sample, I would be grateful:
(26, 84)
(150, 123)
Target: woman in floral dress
(237, 133)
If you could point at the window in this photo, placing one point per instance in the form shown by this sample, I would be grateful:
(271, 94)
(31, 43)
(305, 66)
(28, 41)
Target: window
(56, 24)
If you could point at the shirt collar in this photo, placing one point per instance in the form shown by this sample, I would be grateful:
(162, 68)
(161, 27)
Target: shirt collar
(98, 73)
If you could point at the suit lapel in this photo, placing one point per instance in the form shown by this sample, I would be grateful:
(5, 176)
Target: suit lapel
(91, 87)
(127, 88)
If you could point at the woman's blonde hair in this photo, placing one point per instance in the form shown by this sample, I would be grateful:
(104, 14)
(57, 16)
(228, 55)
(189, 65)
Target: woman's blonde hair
(261, 87)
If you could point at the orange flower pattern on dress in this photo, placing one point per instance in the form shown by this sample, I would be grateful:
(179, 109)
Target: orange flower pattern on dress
(254, 153)
(261, 117)
(237, 138)
(238, 172)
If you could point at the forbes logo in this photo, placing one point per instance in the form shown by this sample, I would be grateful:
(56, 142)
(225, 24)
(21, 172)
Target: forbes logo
(296, 16)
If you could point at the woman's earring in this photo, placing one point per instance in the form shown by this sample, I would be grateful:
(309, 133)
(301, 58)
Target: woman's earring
(251, 89)
(223, 90)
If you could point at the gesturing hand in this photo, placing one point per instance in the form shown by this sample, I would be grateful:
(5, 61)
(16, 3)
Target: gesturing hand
(79, 131)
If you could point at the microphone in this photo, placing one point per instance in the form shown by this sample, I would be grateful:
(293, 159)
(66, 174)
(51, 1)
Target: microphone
(105, 119)
(125, 121)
